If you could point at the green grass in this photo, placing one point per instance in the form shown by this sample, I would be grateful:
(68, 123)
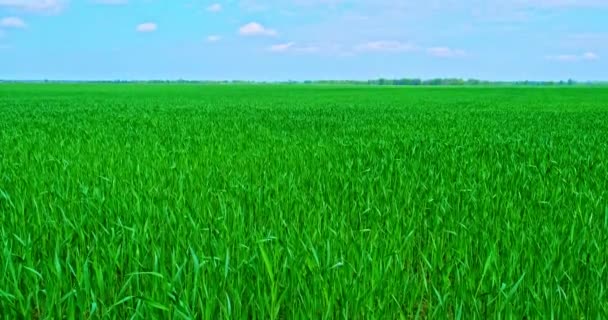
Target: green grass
(267, 202)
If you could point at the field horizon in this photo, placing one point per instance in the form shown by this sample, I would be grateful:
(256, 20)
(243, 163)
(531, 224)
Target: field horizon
(388, 82)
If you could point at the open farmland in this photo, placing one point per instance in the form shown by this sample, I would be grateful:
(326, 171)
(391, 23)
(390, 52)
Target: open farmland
(191, 201)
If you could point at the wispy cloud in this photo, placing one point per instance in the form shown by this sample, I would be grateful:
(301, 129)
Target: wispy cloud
(445, 52)
(386, 46)
(111, 2)
(216, 7)
(146, 27)
(295, 48)
(590, 56)
(371, 47)
(256, 29)
(282, 47)
(563, 3)
(12, 22)
(587, 56)
(312, 49)
(213, 38)
(35, 6)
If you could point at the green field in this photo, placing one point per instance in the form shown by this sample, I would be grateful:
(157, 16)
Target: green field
(310, 202)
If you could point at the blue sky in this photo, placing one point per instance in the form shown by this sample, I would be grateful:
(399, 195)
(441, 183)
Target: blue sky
(303, 39)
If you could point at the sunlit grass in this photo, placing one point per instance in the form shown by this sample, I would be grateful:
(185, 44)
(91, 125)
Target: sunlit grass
(189, 202)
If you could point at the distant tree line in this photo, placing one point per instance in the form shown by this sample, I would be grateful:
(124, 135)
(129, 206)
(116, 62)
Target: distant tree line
(402, 82)
(375, 82)
(447, 82)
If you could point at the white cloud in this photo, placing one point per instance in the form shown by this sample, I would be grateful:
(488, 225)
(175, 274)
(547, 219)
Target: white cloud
(445, 52)
(216, 7)
(146, 27)
(213, 38)
(587, 56)
(12, 22)
(256, 29)
(34, 6)
(386, 46)
(282, 47)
